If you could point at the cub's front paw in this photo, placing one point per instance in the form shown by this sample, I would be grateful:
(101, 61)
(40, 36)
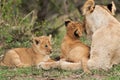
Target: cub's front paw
(48, 65)
(43, 65)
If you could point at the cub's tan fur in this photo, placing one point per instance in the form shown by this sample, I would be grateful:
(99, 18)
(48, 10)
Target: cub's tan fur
(74, 53)
(105, 28)
(24, 57)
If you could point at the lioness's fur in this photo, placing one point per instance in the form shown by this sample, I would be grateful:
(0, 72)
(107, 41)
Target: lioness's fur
(74, 51)
(105, 48)
(24, 57)
(88, 8)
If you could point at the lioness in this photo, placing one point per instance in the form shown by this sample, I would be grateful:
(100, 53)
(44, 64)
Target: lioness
(73, 52)
(24, 57)
(105, 48)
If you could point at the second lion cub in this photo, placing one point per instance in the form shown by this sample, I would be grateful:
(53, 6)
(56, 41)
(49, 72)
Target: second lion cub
(74, 53)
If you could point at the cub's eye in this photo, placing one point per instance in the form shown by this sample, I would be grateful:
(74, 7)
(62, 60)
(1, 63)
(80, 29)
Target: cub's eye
(46, 46)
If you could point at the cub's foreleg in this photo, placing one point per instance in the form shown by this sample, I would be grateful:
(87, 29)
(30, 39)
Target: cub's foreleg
(48, 64)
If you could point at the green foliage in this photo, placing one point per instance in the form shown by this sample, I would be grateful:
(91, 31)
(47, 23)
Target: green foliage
(85, 41)
(10, 10)
(11, 30)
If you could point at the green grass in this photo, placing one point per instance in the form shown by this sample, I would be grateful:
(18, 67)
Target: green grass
(31, 73)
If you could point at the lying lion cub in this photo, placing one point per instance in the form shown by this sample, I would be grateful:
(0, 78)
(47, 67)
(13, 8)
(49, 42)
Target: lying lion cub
(24, 57)
(74, 53)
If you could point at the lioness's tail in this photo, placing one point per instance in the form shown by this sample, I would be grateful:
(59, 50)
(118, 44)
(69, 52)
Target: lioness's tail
(69, 65)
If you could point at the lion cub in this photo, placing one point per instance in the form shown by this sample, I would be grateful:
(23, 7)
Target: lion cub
(25, 57)
(74, 53)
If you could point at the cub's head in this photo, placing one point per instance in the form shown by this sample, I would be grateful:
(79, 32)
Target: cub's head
(42, 44)
(74, 29)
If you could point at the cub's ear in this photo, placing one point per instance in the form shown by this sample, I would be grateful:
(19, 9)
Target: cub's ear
(112, 7)
(67, 22)
(88, 7)
(50, 37)
(35, 40)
